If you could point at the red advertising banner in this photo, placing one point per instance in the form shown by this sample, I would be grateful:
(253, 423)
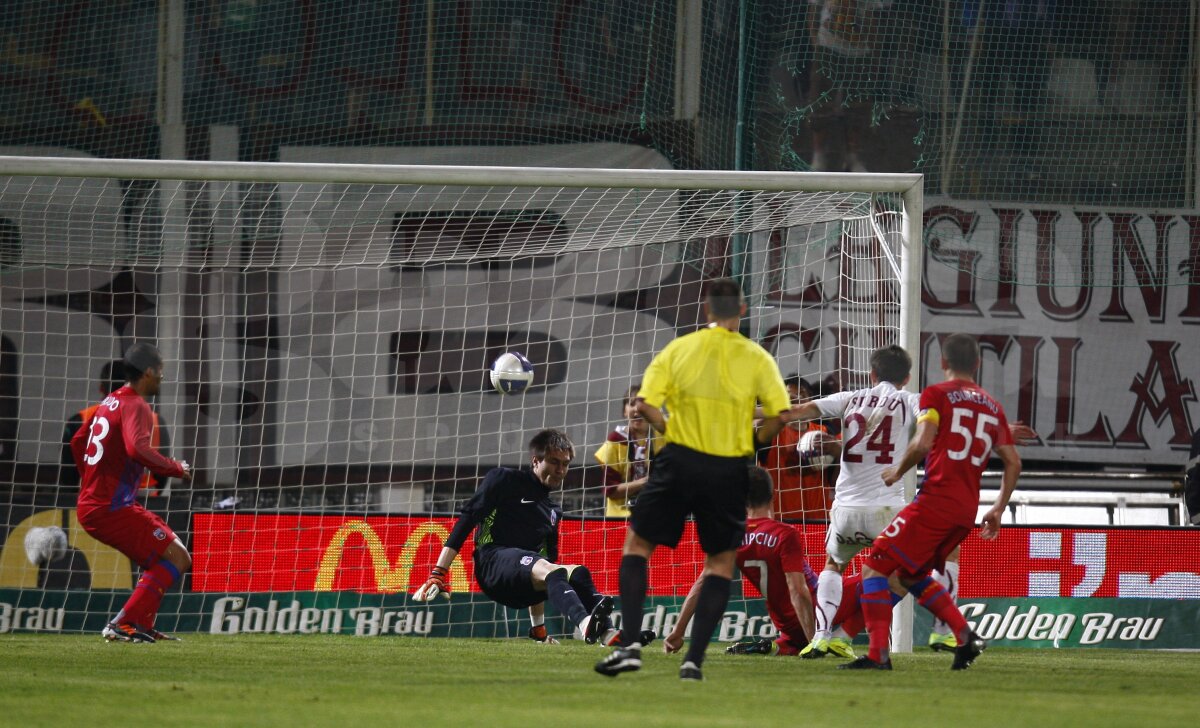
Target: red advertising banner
(388, 554)
(1160, 563)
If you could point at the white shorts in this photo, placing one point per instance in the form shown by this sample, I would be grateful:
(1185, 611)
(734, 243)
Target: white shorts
(854, 528)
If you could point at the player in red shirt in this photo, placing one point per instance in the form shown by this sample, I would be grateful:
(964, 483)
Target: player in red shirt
(112, 451)
(959, 427)
(772, 558)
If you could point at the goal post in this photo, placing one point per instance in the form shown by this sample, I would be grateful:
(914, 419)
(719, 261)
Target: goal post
(330, 326)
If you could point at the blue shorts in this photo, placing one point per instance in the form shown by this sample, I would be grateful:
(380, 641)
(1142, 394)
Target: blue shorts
(506, 576)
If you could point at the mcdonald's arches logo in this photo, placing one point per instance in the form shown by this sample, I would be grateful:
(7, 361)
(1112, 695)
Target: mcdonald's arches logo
(389, 578)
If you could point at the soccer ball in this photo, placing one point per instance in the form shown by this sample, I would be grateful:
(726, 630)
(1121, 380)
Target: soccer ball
(812, 449)
(43, 545)
(511, 373)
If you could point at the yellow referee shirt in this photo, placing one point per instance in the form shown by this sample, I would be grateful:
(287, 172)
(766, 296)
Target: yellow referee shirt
(710, 381)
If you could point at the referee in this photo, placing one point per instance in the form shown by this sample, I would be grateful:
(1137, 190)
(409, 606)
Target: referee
(709, 381)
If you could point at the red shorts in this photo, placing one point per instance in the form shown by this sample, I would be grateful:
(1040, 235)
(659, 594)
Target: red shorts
(915, 542)
(132, 530)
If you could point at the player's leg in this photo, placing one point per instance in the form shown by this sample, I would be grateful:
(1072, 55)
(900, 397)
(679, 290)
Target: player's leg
(710, 607)
(940, 636)
(632, 580)
(148, 541)
(656, 520)
(627, 656)
(898, 548)
(840, 547)
(580, 579)
(555, 580)
(175, 563)
(849, 622)
(718, 503)
(934, 597)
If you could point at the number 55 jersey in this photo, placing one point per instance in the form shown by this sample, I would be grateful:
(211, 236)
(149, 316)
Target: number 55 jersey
(970, 424)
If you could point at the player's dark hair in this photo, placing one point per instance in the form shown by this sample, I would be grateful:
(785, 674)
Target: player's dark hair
(630, 396)
(761, 489)
(794, 380)
(961, 353)
(548, 440)
(139, 359)
(891, 364)
(724, 298)
(112, 376)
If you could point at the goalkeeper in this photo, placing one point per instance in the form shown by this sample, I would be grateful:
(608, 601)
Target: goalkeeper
(516, 544)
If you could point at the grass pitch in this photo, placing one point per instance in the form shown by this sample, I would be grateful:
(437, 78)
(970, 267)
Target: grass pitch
(346, 681)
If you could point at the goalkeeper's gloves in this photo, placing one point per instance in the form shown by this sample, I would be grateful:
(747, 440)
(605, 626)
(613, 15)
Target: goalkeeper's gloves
(434, 586)
(539, 634)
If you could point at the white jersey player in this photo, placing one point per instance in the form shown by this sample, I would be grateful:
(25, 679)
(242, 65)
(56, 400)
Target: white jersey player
(876, 426)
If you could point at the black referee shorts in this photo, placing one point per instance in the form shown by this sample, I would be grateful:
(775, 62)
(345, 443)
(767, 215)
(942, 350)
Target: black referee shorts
(505, 575)
(685, 481)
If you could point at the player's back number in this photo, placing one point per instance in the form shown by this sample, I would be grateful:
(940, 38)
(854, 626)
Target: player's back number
(96, 434)
(960, 424)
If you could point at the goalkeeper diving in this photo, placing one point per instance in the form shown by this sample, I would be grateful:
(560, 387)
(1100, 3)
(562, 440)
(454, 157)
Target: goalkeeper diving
(516, 545)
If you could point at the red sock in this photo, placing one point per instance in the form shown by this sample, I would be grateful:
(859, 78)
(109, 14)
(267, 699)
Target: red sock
(876, 602)
(934, 597)
(142, 607)
(853, 624)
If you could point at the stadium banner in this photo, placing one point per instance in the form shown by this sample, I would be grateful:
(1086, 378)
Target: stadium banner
(362, 615)
(1103, 276)
(288, 573)
(1056, 622)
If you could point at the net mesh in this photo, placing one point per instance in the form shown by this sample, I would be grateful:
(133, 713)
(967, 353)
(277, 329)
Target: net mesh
(330, 384)
(1072, 103)
(1036, 104)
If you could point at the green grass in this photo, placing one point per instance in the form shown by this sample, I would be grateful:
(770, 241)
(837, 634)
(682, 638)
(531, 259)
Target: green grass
(347, 681)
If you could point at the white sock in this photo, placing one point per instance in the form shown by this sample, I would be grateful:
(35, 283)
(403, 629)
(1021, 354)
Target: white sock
(948, 580)
(829, 598)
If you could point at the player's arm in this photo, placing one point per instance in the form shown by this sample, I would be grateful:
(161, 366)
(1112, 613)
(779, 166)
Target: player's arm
(918, 447)
(1023, 434)
(653, 392)
(799, 413)
(802, 602)
(653, 415)
(624, 491)
(615, 485)
(674, 641)
(482, 502)
(79, 445)
(136, 434)
(1008, 482)
(774, 398)
(537, 630)
(435, 585)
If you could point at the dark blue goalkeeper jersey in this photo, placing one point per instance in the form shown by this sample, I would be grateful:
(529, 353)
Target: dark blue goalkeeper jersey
(511, 508)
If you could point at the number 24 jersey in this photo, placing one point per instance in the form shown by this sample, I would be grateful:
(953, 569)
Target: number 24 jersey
(876, 426)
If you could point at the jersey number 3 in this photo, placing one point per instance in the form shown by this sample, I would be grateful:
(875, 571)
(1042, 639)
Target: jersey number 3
(96, 436)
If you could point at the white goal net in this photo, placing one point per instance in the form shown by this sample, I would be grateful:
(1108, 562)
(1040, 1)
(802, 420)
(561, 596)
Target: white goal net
(328, 330)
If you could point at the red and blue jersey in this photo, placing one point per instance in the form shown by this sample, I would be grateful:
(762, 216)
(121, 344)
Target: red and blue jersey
(113, 449)
(769, 551)
(970, 424)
